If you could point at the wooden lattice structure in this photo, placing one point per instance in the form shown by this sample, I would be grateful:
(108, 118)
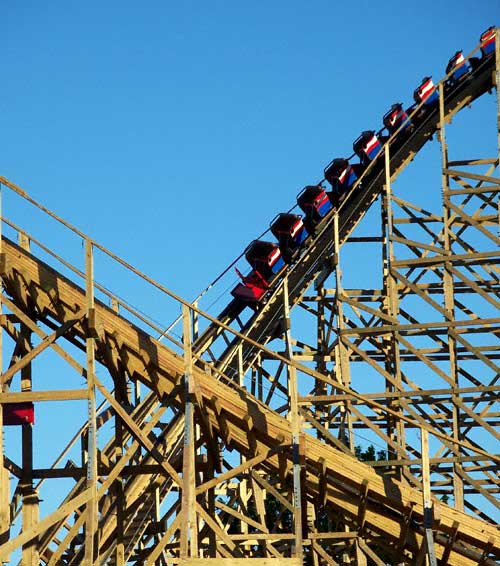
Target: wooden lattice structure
(240, 446)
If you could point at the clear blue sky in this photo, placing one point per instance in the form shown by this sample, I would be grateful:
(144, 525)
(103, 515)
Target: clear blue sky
(173, 132)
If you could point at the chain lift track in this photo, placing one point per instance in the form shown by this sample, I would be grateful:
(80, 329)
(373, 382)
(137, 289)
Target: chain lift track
(207, 465)
(318, 260)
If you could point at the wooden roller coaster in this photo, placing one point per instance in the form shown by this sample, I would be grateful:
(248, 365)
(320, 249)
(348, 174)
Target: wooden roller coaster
(240, 448)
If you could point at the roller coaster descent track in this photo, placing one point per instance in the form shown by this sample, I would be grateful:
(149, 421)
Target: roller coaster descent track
(330, 426)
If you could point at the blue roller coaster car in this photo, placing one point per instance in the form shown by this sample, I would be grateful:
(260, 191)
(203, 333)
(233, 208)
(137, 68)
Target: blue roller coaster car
(397, 118)
(426, 93)
(266, 258)
(367, 147)
(315, 203)
(457, 68)
(267, 262)
(341, 175)
(487, 44)
(487, 40)
(291, 233)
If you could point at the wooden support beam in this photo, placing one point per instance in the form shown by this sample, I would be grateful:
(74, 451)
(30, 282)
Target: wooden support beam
(138, 433)
(230, 400)
(240, 562)
(63, 511)
(324, 554)
(298, 511)
(370, 553)
(56, 395)
(4, 473)
(362, 505)
(46, 342)
(189, 523)
(242, 468)
(92, 510)
(427, 501)
(34, 328)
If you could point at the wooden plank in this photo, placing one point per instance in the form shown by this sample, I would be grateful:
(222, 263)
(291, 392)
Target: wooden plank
(189, 523)
(473, 176)
(461, 259)
(370, 553)
(241, 562)
(473, 190)
(56, 395)
(427, 501)
(473, 222)
(92, 511)
(468, 162)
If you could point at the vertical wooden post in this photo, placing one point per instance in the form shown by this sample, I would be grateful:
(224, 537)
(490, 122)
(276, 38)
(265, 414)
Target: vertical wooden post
(241, 377)
(189, 527)
(449, 304)
(321, 346)
(395, 427)
(195, 323)
(342, 366)
(91, 524)
(243, 485)
(4, 474)
(260, 378)
(428, 512)
(4, 493)
(119, 494)
(29, 495)
(295, 422)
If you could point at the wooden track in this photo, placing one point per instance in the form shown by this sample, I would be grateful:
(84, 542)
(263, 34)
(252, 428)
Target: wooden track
(381, 507)
(392, 509)
(261, 327)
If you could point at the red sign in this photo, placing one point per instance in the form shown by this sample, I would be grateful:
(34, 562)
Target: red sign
(18, 413)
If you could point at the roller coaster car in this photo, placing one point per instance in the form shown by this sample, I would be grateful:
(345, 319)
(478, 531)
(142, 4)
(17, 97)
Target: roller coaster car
(265, 258)
(315, 203)
(426, 92)
(291, 233)
(342, 175)
(252, 289)
(395, 118)
(267, 263)
(457, 68)
(367, 147)
(487, 41)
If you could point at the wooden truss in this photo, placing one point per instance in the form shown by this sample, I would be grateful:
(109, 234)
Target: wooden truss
(186, 459)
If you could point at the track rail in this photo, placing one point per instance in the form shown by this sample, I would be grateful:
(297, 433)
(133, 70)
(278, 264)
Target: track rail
(228, 410)
(264, 324)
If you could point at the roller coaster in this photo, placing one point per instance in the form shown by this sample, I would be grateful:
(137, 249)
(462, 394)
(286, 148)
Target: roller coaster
(237, 438)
